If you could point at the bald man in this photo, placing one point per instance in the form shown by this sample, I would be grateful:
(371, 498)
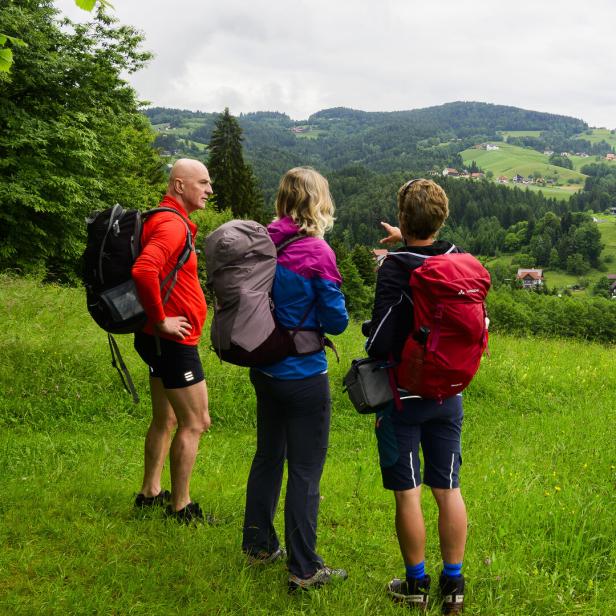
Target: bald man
(168, 343)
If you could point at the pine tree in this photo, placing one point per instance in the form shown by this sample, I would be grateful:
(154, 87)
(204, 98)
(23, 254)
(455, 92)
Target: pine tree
(233, 180)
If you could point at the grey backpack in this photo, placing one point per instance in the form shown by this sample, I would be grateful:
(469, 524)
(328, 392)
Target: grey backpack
(240, 259)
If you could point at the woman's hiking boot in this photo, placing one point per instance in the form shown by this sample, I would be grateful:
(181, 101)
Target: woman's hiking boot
(143, 502)
(412, 592)
(452, 592)
(322, 576)
(266, 558)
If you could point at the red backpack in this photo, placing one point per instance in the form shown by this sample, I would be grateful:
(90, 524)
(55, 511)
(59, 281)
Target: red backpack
(443, 352)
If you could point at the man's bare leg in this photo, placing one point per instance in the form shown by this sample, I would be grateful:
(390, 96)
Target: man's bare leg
(158, 438)
(191, 410)
(452, 523)
(410, 526)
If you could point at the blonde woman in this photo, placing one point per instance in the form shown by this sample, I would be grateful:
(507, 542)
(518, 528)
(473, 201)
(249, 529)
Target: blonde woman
(293, 399)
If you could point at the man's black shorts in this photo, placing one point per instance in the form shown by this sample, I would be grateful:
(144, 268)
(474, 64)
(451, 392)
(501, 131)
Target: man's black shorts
(178, 365)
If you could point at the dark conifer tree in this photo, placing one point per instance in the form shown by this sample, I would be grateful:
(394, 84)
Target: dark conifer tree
(233, 180)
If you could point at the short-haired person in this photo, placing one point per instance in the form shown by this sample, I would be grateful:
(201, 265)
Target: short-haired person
(293, 398)
(168, 342)
(433, 425)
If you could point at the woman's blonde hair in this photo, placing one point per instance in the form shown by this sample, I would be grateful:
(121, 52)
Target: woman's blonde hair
(303, 194)
(423, 207)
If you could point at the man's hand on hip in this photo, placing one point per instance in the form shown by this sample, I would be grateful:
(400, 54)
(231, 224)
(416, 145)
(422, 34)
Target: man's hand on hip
(174, 326)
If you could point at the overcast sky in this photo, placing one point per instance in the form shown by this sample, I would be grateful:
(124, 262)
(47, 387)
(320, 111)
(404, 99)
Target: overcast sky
(300, 56)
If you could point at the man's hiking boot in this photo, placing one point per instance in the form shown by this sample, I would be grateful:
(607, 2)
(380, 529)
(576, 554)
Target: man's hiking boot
(143, 502)
(191, 513)
(452, 592)
(266, 558)
(414, 593)
(322, 576)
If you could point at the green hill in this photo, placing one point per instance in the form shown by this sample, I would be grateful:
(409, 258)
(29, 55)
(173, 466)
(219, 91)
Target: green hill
(595, 135)
(510, 160)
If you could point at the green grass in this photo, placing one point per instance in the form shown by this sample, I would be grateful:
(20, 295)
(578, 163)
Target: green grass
(608, 237)
(510, 160)
(538, 477)
(599, 134)
(520, 133)
(313, 133)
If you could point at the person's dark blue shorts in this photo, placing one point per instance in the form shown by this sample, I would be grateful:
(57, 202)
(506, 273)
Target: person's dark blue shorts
(178, 365)
(436, 427)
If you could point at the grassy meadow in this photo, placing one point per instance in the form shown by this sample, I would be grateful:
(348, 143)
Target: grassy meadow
(509, 160)
(595, 135)
(539, 478)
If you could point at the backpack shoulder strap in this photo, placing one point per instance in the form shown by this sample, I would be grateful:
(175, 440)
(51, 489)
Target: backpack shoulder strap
(182, 258)
(289, 241)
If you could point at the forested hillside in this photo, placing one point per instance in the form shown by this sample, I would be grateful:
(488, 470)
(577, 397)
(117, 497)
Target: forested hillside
(332, 139)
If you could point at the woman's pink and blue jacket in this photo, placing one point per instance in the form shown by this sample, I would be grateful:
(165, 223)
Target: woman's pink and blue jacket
(306, 275)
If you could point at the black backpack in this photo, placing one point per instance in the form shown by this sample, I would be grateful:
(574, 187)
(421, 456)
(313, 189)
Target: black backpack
(112, 246)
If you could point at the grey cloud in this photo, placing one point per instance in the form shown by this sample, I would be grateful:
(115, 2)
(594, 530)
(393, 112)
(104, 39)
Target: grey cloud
(299, 56)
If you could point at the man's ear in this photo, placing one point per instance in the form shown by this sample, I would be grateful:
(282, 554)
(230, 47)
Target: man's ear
(178, 186)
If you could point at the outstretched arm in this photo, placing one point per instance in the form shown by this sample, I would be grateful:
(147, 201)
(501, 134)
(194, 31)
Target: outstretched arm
(393, 234)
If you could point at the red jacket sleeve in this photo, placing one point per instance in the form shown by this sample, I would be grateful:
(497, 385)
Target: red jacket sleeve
(163, 238)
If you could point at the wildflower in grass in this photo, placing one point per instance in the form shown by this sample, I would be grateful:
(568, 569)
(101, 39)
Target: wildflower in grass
(557, 488)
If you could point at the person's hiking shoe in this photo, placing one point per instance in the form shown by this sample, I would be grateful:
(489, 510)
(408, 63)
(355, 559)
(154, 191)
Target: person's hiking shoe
(322, 576)
(452, 592)
(191, 513)
(162, 498)
(266, 558)
(414, 593)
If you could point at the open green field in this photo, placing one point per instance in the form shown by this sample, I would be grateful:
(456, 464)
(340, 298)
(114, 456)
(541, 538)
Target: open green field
(594, 135)
(580, 161)
(520, 133)
(563, 193)
(509, 160)
(608, 237)
(313, 133)
(538, 476)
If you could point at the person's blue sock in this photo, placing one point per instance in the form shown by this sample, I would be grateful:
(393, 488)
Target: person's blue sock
(452, 571)
(417, 572)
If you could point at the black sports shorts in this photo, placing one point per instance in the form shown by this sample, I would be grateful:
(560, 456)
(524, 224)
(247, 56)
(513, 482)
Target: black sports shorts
(178, 365)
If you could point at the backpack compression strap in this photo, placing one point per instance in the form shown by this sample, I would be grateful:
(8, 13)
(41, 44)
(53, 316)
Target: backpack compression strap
(122, 369)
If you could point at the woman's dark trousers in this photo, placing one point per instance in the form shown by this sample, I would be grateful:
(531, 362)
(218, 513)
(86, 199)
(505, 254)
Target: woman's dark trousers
(292, 423)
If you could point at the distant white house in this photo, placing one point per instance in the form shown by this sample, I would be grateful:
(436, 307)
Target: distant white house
(530, 277)
(548, 152)
(490, 147)
(449, 171)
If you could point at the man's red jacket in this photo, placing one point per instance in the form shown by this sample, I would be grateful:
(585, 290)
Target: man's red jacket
(163, 239)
